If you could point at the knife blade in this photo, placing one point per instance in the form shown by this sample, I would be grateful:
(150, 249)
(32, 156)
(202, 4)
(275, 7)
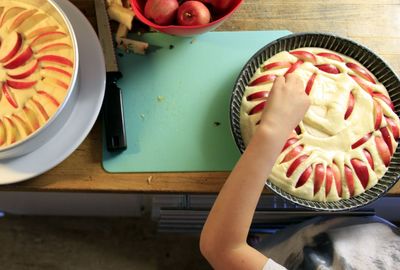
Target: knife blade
(113, 111)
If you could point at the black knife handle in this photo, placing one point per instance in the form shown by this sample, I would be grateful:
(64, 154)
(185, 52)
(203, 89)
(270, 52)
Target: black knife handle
(114, 114)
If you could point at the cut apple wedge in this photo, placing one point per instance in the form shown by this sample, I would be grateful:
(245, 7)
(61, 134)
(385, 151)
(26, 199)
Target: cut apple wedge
(54, 46)
(20, 84)
(310, 83)
(295, 164)
(331, 56)
(24, 71)
(361, 171)
(20, 59)
(32, 118)
(378, 115)
(319, 176)
(55, 82)
(42, 30)
(393, 127)
(10, 13)
(361, 141)
(20, 19)
(387, 138)
(3, 137)
(9, 96)
(350, 106)
(293, 153)
(383, 150)
(276, 65)
(368, 156)
(348, 173)
(328, 180)
(258, 108)
(304, 177)
(46, 37)
(32, 22)
(337, 177)
(361, 71)
(263, 80)
(305, 56)
(40, 108)
(49, 97)
(328, 68)
(11, 130)
(22, 123)
(362, 84)
(10, 46)
(294, 66)
(384, 99)
(257, 95)
(289, 142)
(60, 71)
(56, 59)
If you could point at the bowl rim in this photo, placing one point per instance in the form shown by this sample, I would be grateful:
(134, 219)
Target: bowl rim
(352, 203)
(72, 86)
(146, 21)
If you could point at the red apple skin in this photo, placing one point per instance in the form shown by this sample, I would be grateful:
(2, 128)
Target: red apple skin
(220, 6)
(162, 12)
(193, 13)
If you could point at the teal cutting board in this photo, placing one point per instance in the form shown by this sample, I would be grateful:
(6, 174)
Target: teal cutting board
(176, 102)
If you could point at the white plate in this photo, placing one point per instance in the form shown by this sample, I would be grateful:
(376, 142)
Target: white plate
(90, 97)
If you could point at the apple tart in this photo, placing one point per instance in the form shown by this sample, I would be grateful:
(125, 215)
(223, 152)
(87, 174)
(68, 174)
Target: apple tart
(346, 140)
(37, 61)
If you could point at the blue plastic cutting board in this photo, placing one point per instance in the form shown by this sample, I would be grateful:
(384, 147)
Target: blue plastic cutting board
(176, 102)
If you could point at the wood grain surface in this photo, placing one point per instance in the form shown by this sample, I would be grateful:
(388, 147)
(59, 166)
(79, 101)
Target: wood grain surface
(374, 23)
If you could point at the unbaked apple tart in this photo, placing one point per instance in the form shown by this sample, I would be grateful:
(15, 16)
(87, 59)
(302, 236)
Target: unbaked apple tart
(36, 64)
(346, 140)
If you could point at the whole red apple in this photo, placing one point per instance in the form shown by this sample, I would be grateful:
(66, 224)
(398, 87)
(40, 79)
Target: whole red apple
(162, 12)
(219, 5)
(193, 13)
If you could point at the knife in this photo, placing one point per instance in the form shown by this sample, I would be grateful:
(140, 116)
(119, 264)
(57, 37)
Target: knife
(113, 111)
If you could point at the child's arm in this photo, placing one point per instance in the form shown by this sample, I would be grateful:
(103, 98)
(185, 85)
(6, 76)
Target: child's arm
(223, 239)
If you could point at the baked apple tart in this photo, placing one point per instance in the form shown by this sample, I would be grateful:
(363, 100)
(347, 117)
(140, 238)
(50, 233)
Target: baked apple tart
(36, 67)
(346, 140)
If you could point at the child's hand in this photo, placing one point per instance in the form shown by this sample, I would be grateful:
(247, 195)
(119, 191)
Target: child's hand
(286, 104)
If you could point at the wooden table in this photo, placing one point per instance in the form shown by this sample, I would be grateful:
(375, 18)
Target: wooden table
(374, 23)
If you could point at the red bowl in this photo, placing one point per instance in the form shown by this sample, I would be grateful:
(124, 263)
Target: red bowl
(178, 30)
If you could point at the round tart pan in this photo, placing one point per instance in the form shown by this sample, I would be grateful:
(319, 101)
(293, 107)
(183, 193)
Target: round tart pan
(368, 59)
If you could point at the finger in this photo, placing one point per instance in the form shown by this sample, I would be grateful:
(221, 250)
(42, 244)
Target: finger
(279, 82)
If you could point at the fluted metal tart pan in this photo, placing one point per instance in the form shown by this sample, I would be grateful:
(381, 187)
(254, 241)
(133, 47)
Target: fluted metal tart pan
(345, 46)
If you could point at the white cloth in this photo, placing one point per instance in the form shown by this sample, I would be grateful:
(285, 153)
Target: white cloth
(272, 265)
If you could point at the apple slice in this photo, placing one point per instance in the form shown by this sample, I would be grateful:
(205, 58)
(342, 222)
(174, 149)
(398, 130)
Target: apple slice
(263, 80)
(10, 13)
(328, 68)
(384, 99)
(56, 59)
(310, 83)
(293, 153)
(368, 156)
(68, 74)
(362, 84)
(11, 132)
(361, 171)
(46, 37)
(25, 71)
(20, 59)
(338, 179)
(257, 95)
(54, 46)
(32, 118)
(350, 106)
(42, 30)
(32, 22)
(10, 46)
(3, 137)
(294, 67)
(378, 115)
(331, 56)
(21, 18)
(277, 65)
(328, 180)
(295, 164)
(9, 96)
(304, 177)
(387, 138)
(383, 151)
(361, 141)
(348, 173)
(305, 56)
(49, 97)
(289, 142)
(361, 71)
(55, 82)
(27, 129)
(319, 175)
(393, 127)
(258, 108)
(20, 84)
(41, 109)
